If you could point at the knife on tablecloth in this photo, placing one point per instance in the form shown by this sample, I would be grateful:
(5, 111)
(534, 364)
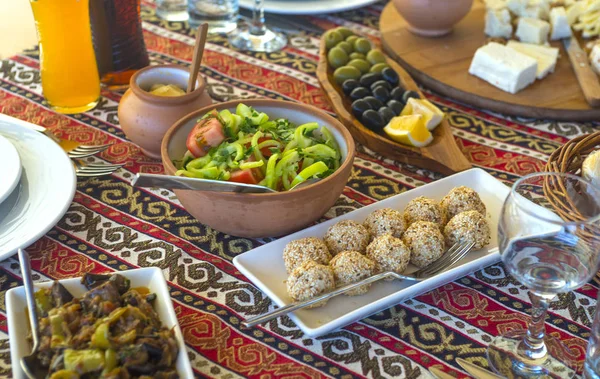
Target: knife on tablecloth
(476, 371)
(587, 78)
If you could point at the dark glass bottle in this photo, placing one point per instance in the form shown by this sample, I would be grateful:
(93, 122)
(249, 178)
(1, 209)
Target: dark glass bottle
(118, 40)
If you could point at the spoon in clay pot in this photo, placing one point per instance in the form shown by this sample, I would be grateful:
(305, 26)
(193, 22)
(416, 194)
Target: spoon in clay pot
(182, 182)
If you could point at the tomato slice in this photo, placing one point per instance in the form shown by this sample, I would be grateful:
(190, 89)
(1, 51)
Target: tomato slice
(206, 134)
(265, 151)
(247, 176)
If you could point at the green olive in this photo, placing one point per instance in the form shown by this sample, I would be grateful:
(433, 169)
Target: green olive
(345, 32)
(351, 39)
(356, 55)
(346, 72)
(332, 38)
(337, 57)
(362, 45)
(346, 46)
(360, 64)
(375, 56)
(378, 67)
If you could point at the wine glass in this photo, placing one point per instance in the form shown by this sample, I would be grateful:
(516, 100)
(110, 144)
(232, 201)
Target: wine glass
(549, 237)
(256, 36)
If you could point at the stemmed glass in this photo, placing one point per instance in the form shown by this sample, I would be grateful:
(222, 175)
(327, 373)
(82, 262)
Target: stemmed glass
(256, 36)
(549, 236)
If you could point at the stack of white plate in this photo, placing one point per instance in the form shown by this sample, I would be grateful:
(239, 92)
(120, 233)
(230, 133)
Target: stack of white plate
(37, 185)
(307, 6)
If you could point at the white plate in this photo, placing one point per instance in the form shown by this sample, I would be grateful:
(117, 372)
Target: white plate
(151, 277)
(10, 168)
(264, 265)
(44, 192)
(308, 6)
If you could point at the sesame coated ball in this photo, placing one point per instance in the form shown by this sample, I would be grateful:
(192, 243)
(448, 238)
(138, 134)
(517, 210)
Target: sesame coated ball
(469, 226)
(347, 235)
(424, 209)
(308, 280)
(425, 241)
(303, 249)
(350, 267)
(389, 253)
(385, 221)
(462, 199)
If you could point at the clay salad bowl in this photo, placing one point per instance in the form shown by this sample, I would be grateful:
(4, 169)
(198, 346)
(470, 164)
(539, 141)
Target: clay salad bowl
(265, 214)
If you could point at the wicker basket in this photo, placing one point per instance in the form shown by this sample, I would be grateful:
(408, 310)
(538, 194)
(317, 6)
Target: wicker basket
(568, 159)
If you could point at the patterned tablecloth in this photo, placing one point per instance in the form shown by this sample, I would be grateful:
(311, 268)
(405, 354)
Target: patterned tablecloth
(111, 226)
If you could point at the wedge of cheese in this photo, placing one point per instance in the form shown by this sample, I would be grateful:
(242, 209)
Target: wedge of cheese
(497, 23)
(560, 24)
(531, 30)
(546, 57)
(503, 67)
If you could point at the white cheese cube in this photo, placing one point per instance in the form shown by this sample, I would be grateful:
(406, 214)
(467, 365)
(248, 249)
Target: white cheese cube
(497, 23)
(546, 57)
(574, 11)
(542, 6)
(503, 67)
(560, 24)
(595, 58)
(495, 4)
(535, 12)
(531, 30)
(517, 7)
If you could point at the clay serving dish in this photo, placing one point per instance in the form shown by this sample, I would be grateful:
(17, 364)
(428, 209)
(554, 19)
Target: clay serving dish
(145, 118)
(432, 18)
(268, 214)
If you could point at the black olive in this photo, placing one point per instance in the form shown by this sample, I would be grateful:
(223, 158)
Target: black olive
(381, 83)
(381, 94)
(408, 94)
(386, 114)
(349, 85)
(397, 93)
(359, 93)
(373, 102)
(390, 75)
(359, 107)
(367, 79)
(395, 106)
(372, 120)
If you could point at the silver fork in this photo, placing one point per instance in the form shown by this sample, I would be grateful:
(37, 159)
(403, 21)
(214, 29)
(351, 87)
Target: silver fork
(73, 149)
(453, 255)
(83, 169)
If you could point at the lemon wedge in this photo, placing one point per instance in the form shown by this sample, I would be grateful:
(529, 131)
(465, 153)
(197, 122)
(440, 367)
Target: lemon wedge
(432, 114)
(409, 130)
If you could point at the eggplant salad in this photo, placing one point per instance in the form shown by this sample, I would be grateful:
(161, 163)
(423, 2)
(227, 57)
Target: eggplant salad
(112, 331)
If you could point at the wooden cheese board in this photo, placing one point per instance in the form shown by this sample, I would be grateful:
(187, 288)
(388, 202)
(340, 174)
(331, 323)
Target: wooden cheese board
(442, 155)
(442, 64)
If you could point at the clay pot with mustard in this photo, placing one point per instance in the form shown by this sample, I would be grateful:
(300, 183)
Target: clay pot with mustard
(146, 111)
(432, 18)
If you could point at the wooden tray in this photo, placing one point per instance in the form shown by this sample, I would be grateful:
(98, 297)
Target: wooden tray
(442, 155)
(442, 64)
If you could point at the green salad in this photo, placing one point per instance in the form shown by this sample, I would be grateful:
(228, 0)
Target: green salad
(248, 147)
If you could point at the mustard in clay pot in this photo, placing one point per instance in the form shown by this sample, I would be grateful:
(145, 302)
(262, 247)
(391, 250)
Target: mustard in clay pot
(145, 113)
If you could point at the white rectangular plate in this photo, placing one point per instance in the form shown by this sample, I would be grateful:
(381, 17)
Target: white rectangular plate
(264, 265)
(151, 277)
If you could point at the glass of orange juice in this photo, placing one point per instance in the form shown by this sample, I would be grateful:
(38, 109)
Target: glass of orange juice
(70, 80)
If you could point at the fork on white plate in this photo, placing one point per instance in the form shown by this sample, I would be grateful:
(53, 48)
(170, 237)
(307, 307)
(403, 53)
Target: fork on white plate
(453, 255)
